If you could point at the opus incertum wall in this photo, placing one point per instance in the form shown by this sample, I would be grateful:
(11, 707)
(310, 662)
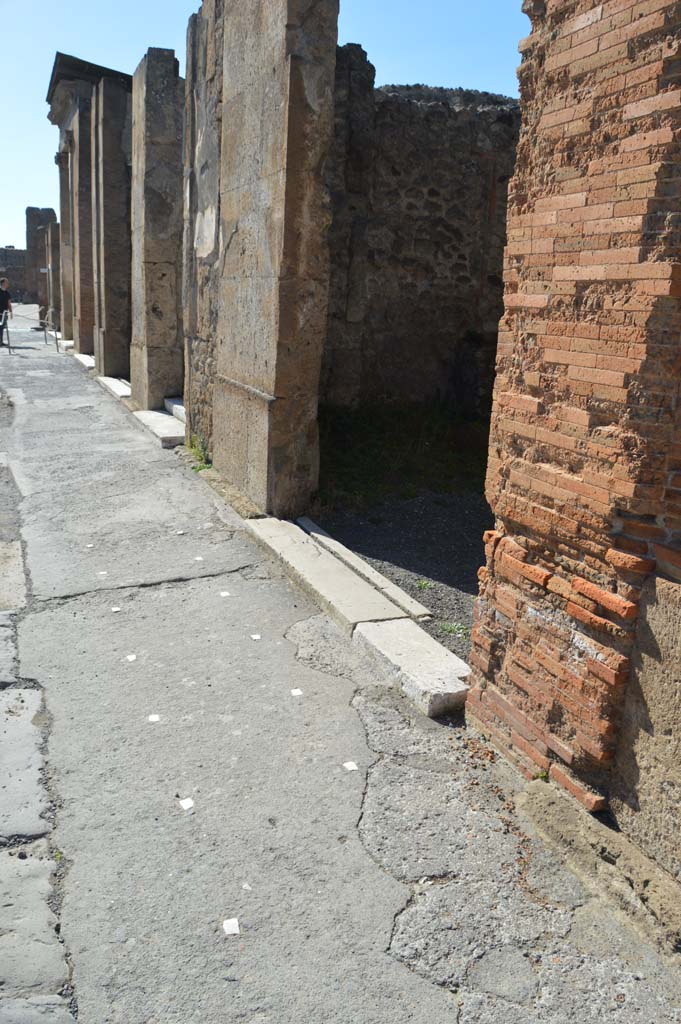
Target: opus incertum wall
(576, 647)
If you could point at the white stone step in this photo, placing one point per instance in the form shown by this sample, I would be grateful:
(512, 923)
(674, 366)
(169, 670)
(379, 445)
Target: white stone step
(175, 406)
(340, 591)
(87, 361)
(394, 593)
(431, 677)
(163, 426)
(118, 388)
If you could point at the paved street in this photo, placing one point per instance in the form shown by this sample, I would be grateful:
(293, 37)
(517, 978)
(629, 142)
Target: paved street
(160, 781)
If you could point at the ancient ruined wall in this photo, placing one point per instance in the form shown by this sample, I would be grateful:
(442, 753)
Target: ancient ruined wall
(111, 151)
(418, 179)
(156, 355)
(258, 236)
(52, 262)
(584, 456)
(13, 267)
(36, 279)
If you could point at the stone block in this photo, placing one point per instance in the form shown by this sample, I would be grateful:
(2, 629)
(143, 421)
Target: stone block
(340, 591)
(118, 388)
(175, 406)
(22, 797)
(165, 428)
(12, 579)
(36, 1010)
(431, 677)
(31, 958)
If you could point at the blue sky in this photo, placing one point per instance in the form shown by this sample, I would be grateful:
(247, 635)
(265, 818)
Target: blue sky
(436, 42)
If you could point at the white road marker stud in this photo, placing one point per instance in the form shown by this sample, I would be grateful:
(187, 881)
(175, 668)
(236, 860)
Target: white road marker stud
(256, 636)
(231, 926)
(102, 574)
(225, 593)
(154, 718)
(199, 558)
(296, 693)
(115, 610)
(187, 804)
(131, 657)
(247, 887)
(180, 533)
(350, 766)
(89, 545)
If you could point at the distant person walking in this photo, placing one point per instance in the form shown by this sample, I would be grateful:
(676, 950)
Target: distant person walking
(5, 307)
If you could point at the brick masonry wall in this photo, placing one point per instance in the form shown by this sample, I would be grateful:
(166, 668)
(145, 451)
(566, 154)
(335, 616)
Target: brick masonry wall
(585, 460)
(418, 181)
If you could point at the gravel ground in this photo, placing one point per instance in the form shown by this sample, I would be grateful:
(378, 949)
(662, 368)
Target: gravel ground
(431, 546)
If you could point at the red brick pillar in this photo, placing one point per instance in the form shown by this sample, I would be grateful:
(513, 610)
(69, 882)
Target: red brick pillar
(585, 451)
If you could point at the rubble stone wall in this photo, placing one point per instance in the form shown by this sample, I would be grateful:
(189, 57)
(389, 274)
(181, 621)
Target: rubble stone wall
(156, 355)
(261, 76)
(418, 181)
(579, 596)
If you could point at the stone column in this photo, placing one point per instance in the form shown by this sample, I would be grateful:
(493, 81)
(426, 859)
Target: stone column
(81, 207)
(65, 246)
(52, 260)
(111, 242)
(261, 248)
(157, 353)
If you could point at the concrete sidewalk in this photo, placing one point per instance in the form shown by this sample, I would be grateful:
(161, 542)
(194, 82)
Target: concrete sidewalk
(412, 889)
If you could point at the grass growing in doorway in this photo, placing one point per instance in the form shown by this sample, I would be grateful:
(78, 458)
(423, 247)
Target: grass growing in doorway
(374, 453)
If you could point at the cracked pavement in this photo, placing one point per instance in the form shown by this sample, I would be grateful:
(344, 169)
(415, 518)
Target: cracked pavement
(412, 889)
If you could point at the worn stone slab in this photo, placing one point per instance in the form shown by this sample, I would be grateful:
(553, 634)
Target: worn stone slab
(12, 579)
(85, 360)
(163, 426)
(31, 958)
(347, 597)
(118, 388)
(22, 797)
(394, 593)
(35, 1010)
(7, 653)
(431, 677)
(175, 406)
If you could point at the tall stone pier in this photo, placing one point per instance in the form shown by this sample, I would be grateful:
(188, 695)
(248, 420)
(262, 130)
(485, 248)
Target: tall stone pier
(260, 88)
(53, 264)
(65, 245)
(111, 126)
(70, 100)
(576, 646)
(157, 352)
(36, 270)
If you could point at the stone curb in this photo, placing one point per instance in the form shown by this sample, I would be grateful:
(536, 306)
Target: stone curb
(414, 609)
(431, 677)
